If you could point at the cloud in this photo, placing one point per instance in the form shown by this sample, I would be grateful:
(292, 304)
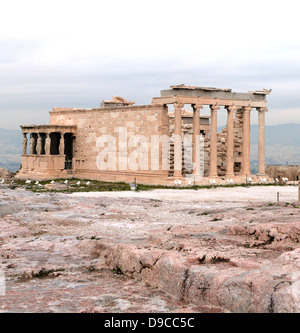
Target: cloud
(70, 53)
(15, 50)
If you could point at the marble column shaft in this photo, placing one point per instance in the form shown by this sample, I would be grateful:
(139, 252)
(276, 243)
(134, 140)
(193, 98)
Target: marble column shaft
(196, 139)
(213, 163)
(246, 141)
(178, 140)
(261, 142)
(230, 142)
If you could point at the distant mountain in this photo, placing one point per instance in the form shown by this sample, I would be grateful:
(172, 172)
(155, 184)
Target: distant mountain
(10, 149)
(282, 146)
(286, 135)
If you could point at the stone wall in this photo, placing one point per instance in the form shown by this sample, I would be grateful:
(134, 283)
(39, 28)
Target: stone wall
(51, 165)
(292, 172)
(94, 124)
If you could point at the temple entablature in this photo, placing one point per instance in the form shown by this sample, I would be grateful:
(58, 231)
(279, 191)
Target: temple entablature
(209, 96)
(28, 129)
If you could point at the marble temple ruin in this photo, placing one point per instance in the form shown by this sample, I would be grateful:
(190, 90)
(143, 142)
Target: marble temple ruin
(154, 144)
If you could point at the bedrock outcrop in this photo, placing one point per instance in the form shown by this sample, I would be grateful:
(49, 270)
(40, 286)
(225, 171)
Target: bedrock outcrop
(151, 251)
(5, 174)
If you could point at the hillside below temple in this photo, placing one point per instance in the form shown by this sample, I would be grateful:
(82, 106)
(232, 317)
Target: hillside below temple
(154, 144)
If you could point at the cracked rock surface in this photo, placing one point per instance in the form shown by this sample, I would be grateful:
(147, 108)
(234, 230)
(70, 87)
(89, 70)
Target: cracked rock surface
(215, 250)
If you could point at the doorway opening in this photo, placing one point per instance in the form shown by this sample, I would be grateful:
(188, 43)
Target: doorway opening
(68, 150)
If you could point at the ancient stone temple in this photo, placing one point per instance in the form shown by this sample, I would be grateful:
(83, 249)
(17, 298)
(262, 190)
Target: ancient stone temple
(155, 144)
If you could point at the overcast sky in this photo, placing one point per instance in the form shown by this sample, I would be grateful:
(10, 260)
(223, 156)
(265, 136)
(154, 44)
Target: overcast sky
(77, 53)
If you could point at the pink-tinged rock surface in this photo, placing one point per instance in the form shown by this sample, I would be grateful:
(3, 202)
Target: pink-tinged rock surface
(156, 251)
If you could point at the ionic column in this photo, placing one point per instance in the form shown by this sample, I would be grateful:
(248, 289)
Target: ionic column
(62, 144)
(39, 144)
(196, 139)
(213, 163)
(178, 141)
(25, 141)
(246, 141)
(230, 141)
(261, 141)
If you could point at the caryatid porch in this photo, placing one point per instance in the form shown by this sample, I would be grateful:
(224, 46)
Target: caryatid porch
(234, 103)
(51, 148)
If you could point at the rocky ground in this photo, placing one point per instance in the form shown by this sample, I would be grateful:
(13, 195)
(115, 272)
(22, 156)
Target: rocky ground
(214, 250)
(5, 174)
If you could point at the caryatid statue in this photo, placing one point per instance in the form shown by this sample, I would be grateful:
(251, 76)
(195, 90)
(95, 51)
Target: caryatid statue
(47, 144)
(62, 144)
(25, 141)
(31, 144)
(39, 144)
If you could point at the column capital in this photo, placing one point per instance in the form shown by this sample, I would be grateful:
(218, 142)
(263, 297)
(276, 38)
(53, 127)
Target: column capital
(178, 105)
(263, 109)
(247, 108)
(215, 107)
(197, 106)
(232, 107)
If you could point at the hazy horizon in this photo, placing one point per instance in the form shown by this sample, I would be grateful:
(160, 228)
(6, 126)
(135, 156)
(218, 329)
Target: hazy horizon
(219, 126)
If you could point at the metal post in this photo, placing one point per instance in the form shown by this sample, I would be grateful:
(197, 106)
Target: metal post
(247, 182)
